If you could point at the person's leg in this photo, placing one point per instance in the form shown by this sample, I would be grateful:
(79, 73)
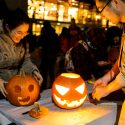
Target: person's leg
(122, 115)
(52, 71)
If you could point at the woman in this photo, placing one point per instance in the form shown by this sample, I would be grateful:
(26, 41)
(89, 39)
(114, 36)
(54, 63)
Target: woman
(14, 57)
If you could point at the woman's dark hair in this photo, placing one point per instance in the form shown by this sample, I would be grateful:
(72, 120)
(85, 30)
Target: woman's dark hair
(14, 19)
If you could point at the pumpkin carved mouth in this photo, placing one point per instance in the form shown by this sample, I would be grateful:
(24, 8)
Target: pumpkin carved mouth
(23, 101)
(73, 103)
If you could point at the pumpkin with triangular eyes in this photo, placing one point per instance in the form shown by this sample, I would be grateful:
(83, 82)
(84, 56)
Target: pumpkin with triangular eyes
(69, 91)
(22, 90)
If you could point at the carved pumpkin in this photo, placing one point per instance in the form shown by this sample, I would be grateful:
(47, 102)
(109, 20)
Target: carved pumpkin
(22, 90)
(69, 91)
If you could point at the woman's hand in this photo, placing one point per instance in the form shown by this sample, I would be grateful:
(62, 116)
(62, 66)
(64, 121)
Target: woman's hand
(2, 88)
(38, 77)
(99, 82)
(99, 92)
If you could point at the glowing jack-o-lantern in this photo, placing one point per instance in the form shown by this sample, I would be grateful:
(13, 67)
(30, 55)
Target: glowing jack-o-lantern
(22, 90)
(69, 91)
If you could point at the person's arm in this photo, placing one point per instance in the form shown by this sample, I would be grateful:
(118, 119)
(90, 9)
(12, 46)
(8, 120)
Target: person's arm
(2, 87)
(112, 73)
(27, 65)
(30, 68)
(103, 81)
(101, 91)
(113, 86)
(116, 84)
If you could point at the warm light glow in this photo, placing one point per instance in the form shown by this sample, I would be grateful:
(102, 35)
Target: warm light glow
(104, 21)
(58, 24)
(76, 103)
(64, 11)
(72, 13)
(70, 103)
(69, 90)
(29, 1)
(53, 8)
(23, 101)
(50, 11)
(88, 114)
(70, 75)
(61, 10)
(59, 100)
(81, 88)
(111, 24)
(89, 16)
(61, 89)
(97, 17)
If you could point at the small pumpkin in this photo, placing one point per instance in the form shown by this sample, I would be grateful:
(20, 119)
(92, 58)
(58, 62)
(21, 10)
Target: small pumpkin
(38, 111)
(69, 90)
(22, 90)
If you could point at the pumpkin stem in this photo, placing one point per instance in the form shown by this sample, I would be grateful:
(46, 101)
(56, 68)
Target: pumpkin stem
(37, 107)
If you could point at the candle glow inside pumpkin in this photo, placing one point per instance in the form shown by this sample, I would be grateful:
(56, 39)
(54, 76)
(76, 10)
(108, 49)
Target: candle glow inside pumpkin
(69, 90)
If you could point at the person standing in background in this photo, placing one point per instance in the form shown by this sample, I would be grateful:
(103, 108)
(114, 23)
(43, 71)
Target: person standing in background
(50, 45)
(64, 38)
(75, 33)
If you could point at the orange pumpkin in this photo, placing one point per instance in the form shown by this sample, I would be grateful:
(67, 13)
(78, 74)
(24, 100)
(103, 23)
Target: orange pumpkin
(22, 90)
(38, 114)
(69, 91)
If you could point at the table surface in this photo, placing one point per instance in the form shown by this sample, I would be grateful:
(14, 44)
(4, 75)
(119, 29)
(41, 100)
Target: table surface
(87, 114)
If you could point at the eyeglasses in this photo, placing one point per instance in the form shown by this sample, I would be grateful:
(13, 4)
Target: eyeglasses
(100, 11)
(20, 33)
